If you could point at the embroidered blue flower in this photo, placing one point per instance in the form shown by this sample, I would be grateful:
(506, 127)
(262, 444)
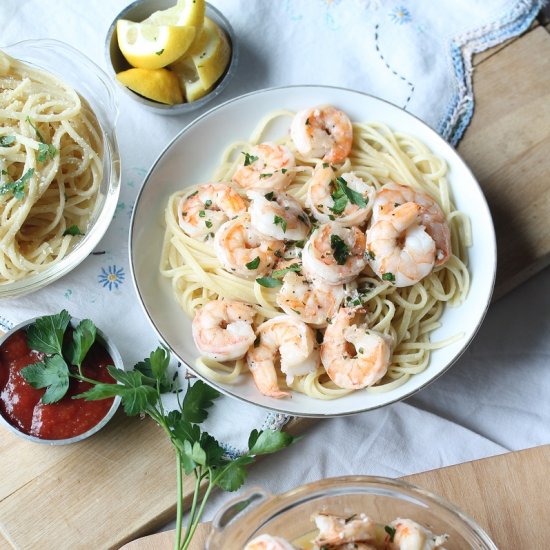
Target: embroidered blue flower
(113, 277)
(400, 15)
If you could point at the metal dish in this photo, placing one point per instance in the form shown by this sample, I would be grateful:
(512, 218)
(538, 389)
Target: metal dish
(140, 10)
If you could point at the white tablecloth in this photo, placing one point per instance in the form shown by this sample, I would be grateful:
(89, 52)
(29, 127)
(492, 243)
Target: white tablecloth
(495, 398)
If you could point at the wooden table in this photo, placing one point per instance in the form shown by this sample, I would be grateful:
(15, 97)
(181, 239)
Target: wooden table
(46, 501)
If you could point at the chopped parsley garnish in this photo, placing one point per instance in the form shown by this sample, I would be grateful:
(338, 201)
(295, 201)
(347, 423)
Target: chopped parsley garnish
(343, 193)
(269, 196)
(253, 264)
(7, 141)
(45, 151)
(249, 159)
(202, 213)
(73, 230)
(390, 530)
(277, 220)
(340, 249)
(208, 203)
(160, 52)
(369, 255)
(280, 273)
(193, 194)
(284, 170)
(307, 121)
(277, 275)
(325, 164)
(267, 175)
(269, 282)
(388, 277)
(208, 223)
(300, 244)
(17, 187)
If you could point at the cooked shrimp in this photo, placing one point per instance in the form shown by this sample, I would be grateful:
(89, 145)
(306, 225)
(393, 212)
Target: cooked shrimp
(222, 329)
(312, 302)
(278, 216)
(346, 199)
(268, 166)
(244, 251)
(334, 254)
(288, 339)
(409, 535)
(353, 355)
(203, 211)
(431, 215)
(267, 542)
(322, 132)
(399, 248)
(337, 530)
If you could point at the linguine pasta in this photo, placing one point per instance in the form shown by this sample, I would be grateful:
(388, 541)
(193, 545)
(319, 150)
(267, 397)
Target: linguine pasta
(409, 315)
(51, 168)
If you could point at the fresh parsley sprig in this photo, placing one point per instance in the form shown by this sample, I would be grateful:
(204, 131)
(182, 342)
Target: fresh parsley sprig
(197, 452)
(343, 194)
(17, 188)
(45, 150)
(47, 335)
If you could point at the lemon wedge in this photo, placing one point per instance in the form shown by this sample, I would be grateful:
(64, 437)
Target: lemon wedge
(159, 85)
(148, 46)
(201, 67)
(184, 13)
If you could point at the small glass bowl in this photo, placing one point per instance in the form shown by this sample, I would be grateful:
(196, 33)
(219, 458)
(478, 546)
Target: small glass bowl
(74, 68)
(111, 349)
(383, 499)
(140, 10)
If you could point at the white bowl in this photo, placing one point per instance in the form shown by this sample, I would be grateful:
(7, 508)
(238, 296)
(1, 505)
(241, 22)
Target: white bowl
(190, 158)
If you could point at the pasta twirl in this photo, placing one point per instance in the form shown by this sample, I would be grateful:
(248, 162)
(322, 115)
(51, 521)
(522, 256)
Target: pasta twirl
(409, 314)
(51, 168)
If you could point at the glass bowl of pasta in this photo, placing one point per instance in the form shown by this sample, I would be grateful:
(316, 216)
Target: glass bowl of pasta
(346, 512)
(59, 162)
(327, 253)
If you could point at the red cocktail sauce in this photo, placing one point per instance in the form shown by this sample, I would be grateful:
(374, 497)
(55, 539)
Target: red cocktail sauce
(20, 402)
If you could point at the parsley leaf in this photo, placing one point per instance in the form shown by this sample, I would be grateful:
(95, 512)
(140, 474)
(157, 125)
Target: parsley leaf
(353, 196)
(388, 277)
(280, 273)
(136, 397)
(268, 282)
(268, 441)
(17, 187)
(52, 373)
(73, 230)
(160, 52)
(249, 159)
(270, 196)
(197, 400)
(277, 220)
(253, 264)
(7, 141)
(83, 338)
(46, 333)
(45, 151)
(340, 249)
(340, 199)
(390, 530)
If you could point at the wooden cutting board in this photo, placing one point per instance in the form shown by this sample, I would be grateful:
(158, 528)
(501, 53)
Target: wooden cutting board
(503, 494)
(119, 484)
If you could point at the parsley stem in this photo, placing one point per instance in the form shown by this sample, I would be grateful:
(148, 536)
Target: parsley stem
(192, 511)
(179, 508)
(196, 521)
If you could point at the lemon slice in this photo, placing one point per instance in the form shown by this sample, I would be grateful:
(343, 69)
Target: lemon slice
(206, 60)
(212, 61)
(184, 13)
(159, 85)
(150, 46)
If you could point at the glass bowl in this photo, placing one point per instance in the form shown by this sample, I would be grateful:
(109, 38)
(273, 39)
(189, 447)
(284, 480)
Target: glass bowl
(383, 499)
(111, 349)
(74, 68)
(140, 10)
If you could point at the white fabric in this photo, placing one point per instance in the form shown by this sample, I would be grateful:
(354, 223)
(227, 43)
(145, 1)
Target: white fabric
(496, 397)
